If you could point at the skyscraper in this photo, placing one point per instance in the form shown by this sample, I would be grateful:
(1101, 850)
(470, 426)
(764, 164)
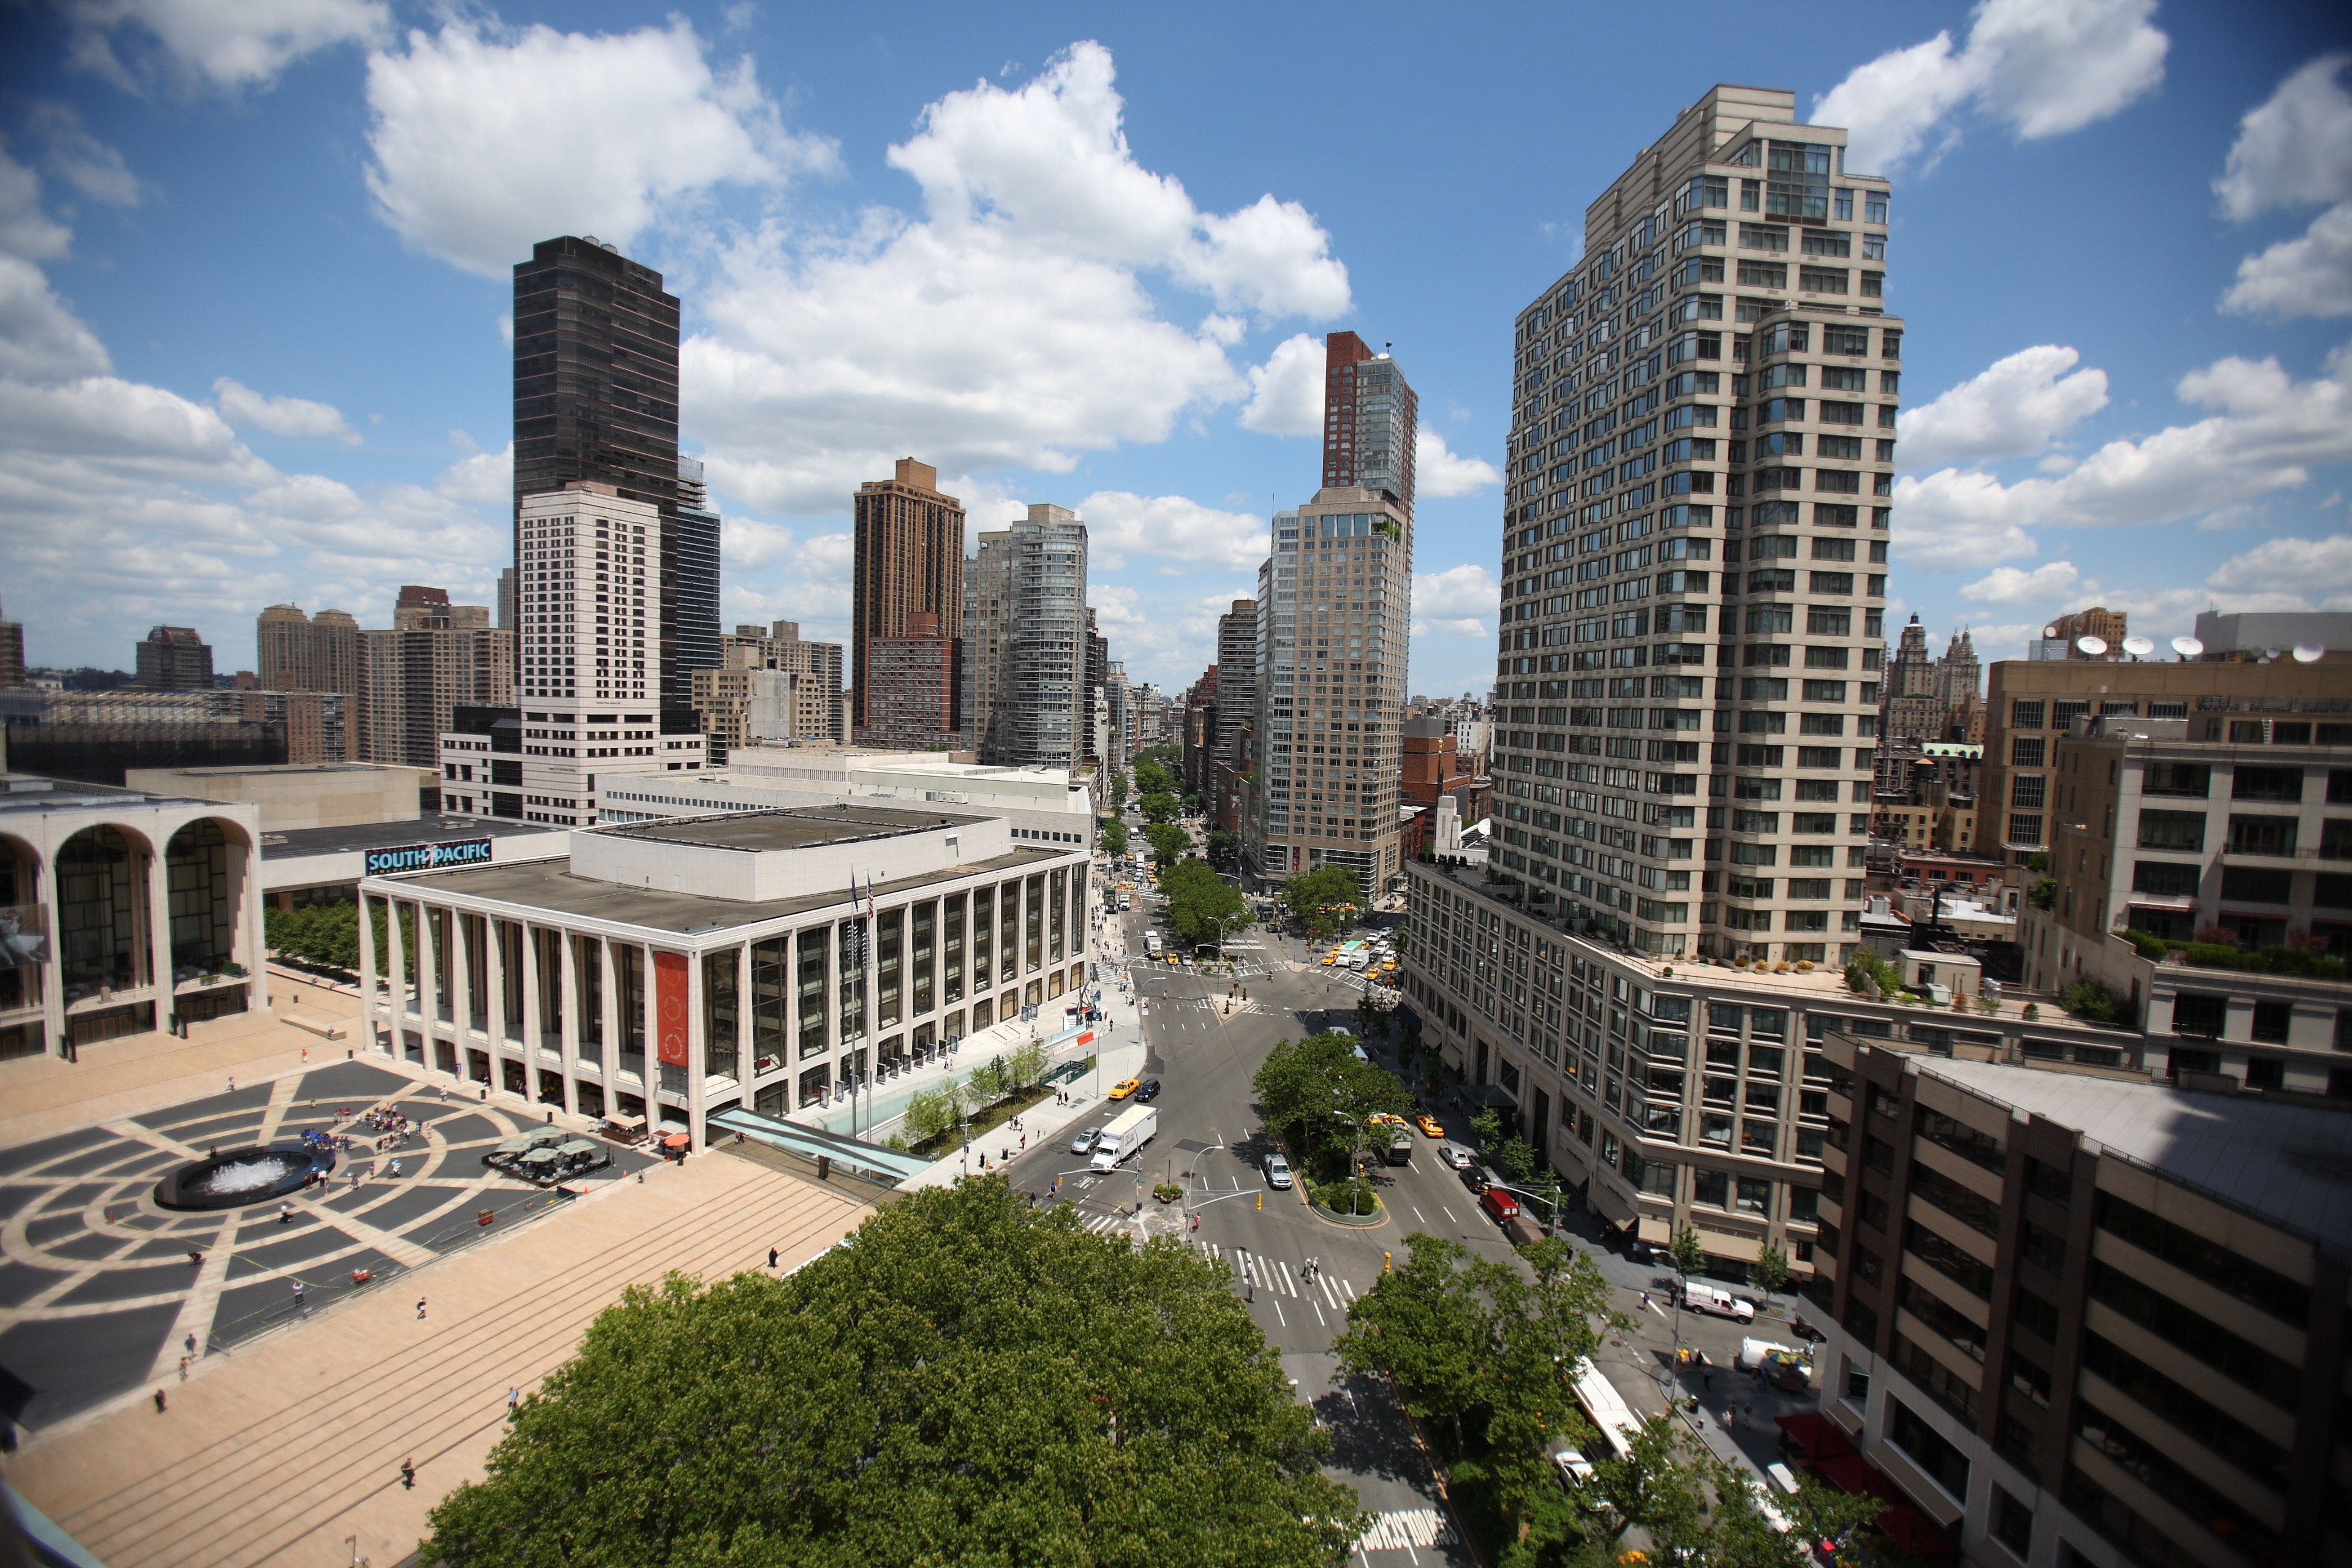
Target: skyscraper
(295, 652)
(1674, 738)
(1236, 678)
(908, 560)
(595, 399)
(174, 658)
(1909, 701)
(437, 659)
(1026, 698)
(1328, 657)
(698, 528)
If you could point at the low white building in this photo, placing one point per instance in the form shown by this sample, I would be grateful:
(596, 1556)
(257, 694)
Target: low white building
(672, 969)
(123, 911)
(1043, 805)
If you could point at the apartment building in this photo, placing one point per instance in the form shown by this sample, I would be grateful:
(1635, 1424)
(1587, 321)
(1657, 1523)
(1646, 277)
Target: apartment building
(908, 560)
(295, 652)
(436, 658)
(820, 700)
(1026, 698)
(2031, 704)
(2107, 1330)
(2095, 633)
(172, 659)
(1693, 553)
(2203, 871)
(913, 688)
(1236, 670)
(1673, 1094)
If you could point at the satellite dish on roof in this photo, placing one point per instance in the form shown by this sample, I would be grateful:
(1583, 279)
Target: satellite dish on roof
(2188, 648)
(2139, 647)
(2094, 647)
(2307, 652)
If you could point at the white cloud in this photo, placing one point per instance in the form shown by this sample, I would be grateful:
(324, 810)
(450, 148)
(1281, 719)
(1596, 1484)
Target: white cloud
(487, 139)
(2295, 150)
(2308, 276)
(2009, 585)
(1465, 626)
(1457, 590)
(81, 160)
(2267, 432)
(293, 416)
(2013, 409)
(1286, 391)
(225, 45)
(2045, 67)
(2317, 572)
(1120, 524)
(24, 229)
(41, 340)
(480, 478)
(1008, 327)
(1439, 471)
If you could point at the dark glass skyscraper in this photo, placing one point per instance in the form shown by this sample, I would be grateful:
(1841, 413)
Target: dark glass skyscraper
(696, 577)
(596, 395)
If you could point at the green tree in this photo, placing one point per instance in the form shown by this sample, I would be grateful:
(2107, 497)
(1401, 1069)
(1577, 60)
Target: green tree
(1161, 807)
(1151, 778)
(857, 1413)
(1686, 1253)
(1221, 844)
(1517, 1160)
(1325, 900)
(1320, 1098)
(1772, 1270)
(1115, 788)
(1111, 834)
(1168, 844)
(1486, 1128)
(1202, 904)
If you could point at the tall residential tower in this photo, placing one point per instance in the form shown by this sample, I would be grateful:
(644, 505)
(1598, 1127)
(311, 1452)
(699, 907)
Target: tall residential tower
(1025, 698)
(908, 561)
(1693, 553)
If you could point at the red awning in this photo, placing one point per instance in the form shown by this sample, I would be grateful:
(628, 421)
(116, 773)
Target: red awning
(1817, 1436)
(1899, 1521)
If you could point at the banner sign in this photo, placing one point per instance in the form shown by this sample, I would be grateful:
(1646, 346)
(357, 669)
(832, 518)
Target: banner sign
(427, 857)
(670, 1008)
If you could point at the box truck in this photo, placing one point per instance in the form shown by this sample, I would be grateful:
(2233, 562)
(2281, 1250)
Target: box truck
(1129, 1130)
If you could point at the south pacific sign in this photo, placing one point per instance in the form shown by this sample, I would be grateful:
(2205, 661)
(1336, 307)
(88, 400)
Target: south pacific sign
(428, 857)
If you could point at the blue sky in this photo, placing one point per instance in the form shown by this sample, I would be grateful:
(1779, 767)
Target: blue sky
(253, 267)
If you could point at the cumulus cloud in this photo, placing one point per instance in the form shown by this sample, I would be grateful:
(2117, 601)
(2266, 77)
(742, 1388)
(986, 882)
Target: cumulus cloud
(1461, 627)
(1120, 524)
(487, 139)
(2295, 150)
(223, 44)
(2009, 585)
(294, 416)
(2317, 572)
(2268, 431)
(2041, 67)
(1007, 327)
(81, 160)
(1286, 391)
(1457, 590)
(2013, 409)
(1438, 471)
(24, 229)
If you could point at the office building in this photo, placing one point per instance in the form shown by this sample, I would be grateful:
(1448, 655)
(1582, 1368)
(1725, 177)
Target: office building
(2030, 703)
(2203, 878)
(588, 693)
(913, 701)
(2080, 1318)
(295, 652)
(1371, 418)
(698, 528)
(757, 962)
(1236, 677)
(505, 598)
(1713, 391)
(436, 658)
(1024, 699)
(906, 560)
(2063, 637)
(1196, 737)
(1119, 711)
(174, 658)
(12, 653)
(1098, 698)
(2270, 635)
(133, 910)
(1044, 805)
(595, 400)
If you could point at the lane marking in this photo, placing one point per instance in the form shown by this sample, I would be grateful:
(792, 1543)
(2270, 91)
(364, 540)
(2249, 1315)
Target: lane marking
(1449, 1215)
(1277, 1314)
(1417, 1214)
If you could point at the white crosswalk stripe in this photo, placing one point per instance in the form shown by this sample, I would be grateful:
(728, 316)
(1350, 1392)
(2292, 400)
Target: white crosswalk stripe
(1405, 1529)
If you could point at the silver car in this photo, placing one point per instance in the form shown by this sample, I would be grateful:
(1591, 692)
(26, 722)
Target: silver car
(1278, 1172)
(1084, 1143)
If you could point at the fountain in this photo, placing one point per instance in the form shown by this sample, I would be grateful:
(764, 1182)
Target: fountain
(242, 1176)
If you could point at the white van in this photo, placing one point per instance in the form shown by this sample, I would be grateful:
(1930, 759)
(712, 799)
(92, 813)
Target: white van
(1701, 1298)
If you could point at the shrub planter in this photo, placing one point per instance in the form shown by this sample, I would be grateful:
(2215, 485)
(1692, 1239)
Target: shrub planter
(1365, 1199)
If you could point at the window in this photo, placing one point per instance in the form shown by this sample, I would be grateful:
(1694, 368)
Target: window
(2182, 830)
(2025, 715)
(1942, 1463)
(2200, 1016)
(2266, 784)
(2025, 751)
(2027, 789)
(1711, 1188)
(2272, 1020)
(2262, 835)
(2255, 884)
(2011, 1522)
(2025, 829)
(2165, 879)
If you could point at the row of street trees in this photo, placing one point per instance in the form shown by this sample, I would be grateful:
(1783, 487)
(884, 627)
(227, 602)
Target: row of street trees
(934, 1112)
(1326, 900)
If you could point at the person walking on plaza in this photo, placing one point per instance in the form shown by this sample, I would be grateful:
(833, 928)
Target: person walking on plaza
(408, 1475)
(159, 1402)
(514, 1402)
(771, 1258)
(420, 1309)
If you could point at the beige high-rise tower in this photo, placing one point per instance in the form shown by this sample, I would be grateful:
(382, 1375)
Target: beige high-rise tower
(909, 560)
(1693, 554)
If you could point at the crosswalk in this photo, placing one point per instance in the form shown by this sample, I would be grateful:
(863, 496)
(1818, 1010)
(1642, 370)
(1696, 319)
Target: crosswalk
(1279, 1276)
(1403, 1529)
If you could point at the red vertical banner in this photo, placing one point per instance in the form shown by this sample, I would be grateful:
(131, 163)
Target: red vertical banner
(670, 1008)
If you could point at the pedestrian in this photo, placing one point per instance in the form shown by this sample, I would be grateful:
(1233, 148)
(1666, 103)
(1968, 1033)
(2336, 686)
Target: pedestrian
(299, 1288)
(771, 1258)
(183, 1369)
(420, 1309)
(285, 1214)
(231, 1083)
(395, 1168)
(196, 1260)
(1645, 1300)
(192, 1344)
(159, 1402)
(408, 1475)
(514, 1401)
(1706, 1377)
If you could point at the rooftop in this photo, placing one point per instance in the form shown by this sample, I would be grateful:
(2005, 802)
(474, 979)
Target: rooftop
(2291, 1163)
(354, 838)
(791, 827)
(551, 885)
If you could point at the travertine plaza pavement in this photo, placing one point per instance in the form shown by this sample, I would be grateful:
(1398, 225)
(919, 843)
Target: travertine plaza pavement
(285, 1439)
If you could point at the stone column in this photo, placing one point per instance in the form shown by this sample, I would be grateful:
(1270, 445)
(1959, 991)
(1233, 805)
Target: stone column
(52, 990)
(395, 960)
(369, 1001)
(429, 979)
(159, 932)
(697, 1056)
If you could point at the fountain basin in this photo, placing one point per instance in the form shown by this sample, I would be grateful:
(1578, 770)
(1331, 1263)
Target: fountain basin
(241, 1176)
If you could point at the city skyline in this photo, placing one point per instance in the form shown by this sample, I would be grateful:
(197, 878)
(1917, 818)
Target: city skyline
(2056, 452)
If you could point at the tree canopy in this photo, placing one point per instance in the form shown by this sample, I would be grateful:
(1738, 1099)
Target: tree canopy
(1325, 900)
(1160, 805)
(968, 1382)
(1112, 835)
(1318, 1095)
(1151, 778)
(1168, 844)
(1202, 904)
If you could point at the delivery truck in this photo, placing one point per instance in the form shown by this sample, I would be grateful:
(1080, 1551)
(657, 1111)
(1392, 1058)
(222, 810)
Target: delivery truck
(1129, 1130)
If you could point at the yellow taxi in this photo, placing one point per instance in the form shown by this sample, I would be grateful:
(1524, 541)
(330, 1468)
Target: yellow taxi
(1430, 1126)
(1125, 1087)
(1383, 1119)
(1330, 958)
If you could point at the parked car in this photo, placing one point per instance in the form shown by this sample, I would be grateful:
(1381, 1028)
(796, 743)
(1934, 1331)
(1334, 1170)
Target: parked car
(1574, 1468)
(1722, 1303)
(1148, 1089)
(1500, 1207)
(1278, 1172)
(1455, 1155)
(1476, 1177)
(1084, 1143)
